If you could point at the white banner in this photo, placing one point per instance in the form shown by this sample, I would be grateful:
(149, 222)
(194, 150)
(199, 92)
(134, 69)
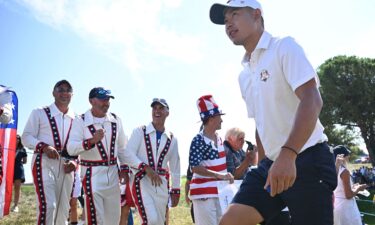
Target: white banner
(227, 192)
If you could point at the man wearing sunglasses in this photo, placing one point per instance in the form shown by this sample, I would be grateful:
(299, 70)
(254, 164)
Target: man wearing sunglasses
(152, 153)
(98, 138)
(47, 132)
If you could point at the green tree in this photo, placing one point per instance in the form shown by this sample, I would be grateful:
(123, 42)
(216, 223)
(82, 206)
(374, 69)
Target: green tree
(348, 92)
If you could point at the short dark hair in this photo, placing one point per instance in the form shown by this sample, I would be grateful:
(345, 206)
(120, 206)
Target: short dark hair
(61, 82)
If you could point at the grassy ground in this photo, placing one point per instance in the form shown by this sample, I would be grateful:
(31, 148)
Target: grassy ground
(27, 207)
(178, 216)
(27, 214)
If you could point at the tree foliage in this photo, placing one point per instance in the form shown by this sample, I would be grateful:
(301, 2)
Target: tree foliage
(348, 92)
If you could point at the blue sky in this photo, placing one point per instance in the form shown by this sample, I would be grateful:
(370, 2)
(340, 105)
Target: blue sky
(159, 48)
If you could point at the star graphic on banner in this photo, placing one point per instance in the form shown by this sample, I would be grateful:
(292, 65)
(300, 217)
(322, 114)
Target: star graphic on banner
(11, 121)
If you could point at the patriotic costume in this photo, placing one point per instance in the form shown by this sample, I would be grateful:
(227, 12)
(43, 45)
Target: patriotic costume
(99, 171)
(210, 154)
(8, 133)
(50, 127)
(144, 148)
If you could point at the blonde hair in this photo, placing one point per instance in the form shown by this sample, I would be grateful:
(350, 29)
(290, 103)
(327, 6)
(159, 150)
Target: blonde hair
(234, 132)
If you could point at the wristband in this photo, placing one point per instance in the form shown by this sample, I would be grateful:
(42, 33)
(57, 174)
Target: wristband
(290, 149)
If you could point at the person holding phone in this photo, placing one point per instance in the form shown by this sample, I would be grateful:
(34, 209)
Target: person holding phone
(238, 161)
(346, 211)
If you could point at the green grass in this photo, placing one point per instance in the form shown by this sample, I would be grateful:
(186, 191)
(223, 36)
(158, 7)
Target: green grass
(367, 207)
(27, 207)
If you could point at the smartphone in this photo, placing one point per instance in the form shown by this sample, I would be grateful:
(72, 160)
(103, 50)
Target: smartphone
(250, 146)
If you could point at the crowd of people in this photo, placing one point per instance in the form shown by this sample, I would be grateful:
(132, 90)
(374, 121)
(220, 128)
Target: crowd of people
(364, 175)
(289, 175)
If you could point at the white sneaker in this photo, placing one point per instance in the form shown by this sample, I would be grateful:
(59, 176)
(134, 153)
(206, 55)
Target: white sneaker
(15, 209)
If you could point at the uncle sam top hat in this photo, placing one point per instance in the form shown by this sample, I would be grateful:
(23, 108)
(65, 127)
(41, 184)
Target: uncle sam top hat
(207, 107)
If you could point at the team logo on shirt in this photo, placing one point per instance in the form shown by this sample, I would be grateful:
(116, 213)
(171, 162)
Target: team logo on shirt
(264, 75)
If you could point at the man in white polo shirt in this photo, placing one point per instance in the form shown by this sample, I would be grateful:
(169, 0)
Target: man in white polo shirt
(280, 89)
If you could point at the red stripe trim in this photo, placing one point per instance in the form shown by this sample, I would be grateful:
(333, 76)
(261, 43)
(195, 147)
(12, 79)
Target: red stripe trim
(218, 167)
(222, 154)
(42, 201)
(202, 191)
(202, 180)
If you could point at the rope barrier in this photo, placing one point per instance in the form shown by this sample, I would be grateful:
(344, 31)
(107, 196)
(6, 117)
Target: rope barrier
(363, 200)
(368, 201)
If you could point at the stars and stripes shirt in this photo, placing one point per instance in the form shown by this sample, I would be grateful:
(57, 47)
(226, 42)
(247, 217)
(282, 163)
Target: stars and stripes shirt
(204, 153)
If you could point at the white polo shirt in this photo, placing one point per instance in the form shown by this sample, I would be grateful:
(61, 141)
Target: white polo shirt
(276, 68)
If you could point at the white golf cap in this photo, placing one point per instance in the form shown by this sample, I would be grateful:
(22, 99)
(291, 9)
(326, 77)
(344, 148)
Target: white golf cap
(217, 9)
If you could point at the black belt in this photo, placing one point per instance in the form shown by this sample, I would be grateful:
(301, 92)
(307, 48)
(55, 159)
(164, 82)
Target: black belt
(98, 163)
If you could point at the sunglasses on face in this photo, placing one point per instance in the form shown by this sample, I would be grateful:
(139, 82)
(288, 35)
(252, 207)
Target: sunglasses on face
(62, 90)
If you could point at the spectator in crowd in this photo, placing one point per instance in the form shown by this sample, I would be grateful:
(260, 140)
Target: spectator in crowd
(152, 153)
(47, 132)
(208, 163)
(238, 161)
(346, 211)
(99, 139)
(19, 173)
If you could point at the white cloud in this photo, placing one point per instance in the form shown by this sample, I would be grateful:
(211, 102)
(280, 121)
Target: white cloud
(127, 31)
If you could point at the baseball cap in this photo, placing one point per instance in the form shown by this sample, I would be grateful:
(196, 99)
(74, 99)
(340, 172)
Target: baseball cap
(217, 9)
(61, 82)
(100, 93)
(161, 101)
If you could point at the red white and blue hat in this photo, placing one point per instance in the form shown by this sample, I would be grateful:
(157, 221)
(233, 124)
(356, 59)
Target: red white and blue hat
(207, 107)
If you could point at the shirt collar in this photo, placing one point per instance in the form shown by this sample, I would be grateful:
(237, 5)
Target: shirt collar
(226, 143)
(263, 43)
(150, 129)
(89, 118)
(55, 111)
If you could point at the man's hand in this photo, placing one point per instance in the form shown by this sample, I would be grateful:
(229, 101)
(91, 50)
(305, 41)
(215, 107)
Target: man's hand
(282, 173)
(51, 152)
(187, 199)
(69, 166)
(225, 176)
(124, 177)
(98, 136)
(155, 178)
(251, 157)
(175, 198)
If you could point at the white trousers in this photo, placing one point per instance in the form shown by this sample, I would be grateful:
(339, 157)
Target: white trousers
(207, 211)
(102, 194)
(53, 189)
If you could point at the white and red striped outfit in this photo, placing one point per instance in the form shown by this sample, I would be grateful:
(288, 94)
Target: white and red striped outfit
(99, 170)
(152, 201)
(49, 126)
(203, 190)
